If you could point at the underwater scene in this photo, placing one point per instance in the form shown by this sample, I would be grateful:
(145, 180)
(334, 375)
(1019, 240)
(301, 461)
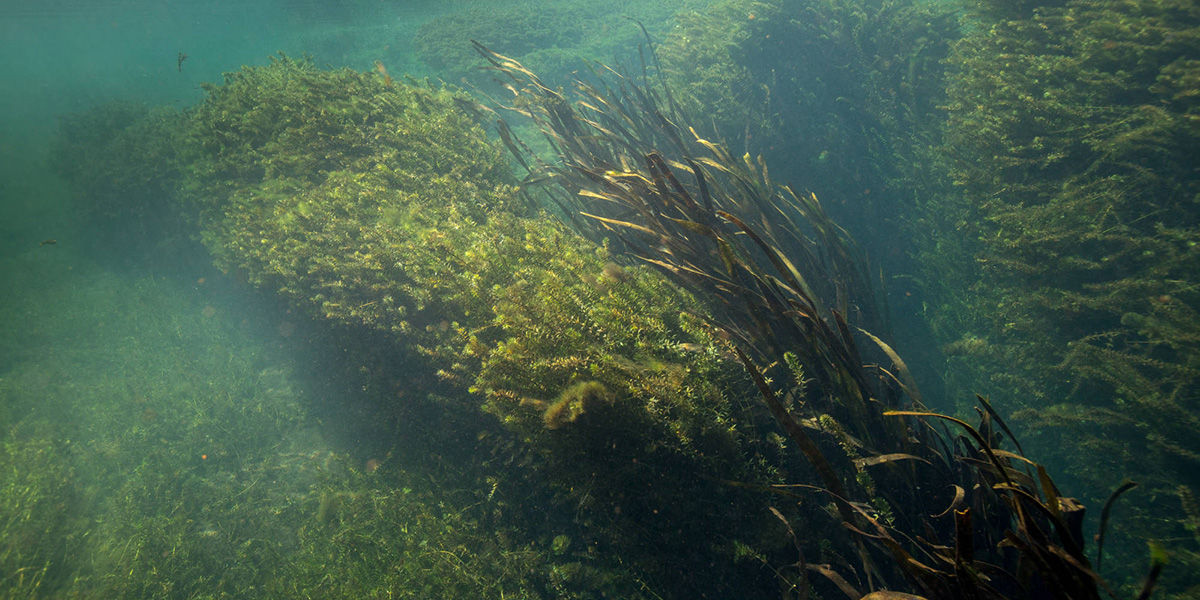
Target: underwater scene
(632, 299)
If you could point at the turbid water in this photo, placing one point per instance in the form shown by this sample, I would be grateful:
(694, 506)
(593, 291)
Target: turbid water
(283, 312)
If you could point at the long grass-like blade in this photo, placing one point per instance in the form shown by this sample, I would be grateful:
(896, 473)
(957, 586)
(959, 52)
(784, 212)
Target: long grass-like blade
(909, 383)
(1104, 515)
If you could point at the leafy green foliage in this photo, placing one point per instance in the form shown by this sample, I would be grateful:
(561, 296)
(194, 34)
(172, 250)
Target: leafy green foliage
(336, 188)
(1072, 134)
(367, 210)
(363, 228)
(561, 327)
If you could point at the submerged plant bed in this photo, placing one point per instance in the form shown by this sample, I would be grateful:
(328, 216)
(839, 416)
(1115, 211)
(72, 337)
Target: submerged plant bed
(675, 396)
(382, 208)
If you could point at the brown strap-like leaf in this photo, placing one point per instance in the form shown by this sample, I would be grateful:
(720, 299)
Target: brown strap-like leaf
(959, 495)
(889, 595)
(908, 382)
(837, 580)
(871, 461)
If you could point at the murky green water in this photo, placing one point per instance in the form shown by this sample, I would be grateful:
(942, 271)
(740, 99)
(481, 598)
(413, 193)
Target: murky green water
(283, 315)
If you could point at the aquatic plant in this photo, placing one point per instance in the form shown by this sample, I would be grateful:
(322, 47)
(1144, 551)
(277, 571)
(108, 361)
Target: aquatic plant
(40, 516)
(384, 211)
(377, 236)
(684, 205)
(843, 99)
(555, 37)
(337, 189)
(835, 95)
(381, 208)
(153, 450)
(615, 395)
(1071, 139)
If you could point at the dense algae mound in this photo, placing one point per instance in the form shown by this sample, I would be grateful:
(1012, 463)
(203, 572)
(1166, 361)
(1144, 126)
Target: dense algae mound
(382, 206)
(335, 187)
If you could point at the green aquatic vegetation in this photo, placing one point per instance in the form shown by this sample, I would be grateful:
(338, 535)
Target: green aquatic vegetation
(121, 161)
(431, 550)
(442, 259)
(40, 522)
(111, 418)
(521, 28)
(692, 210)
(575, 402)
(845, 99)
(384, 211)
(1071, 134)
(818, 265)
(834, 94)
(291, 120)
(602, 379)
(381, 209)
(337, 188)
(167, 452)
(556, 38)
(567, 314)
